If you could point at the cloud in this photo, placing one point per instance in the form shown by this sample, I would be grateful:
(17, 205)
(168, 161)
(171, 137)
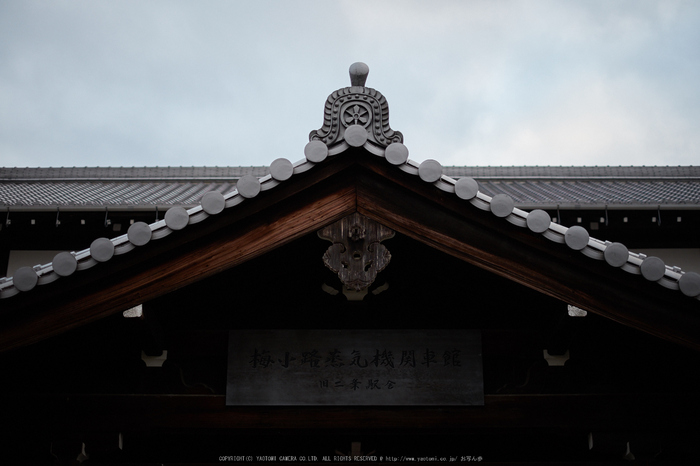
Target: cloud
(242, 83)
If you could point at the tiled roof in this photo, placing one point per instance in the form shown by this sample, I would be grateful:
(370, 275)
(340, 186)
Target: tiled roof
(116, 187)
(549, 172)
(131, 174)
(591, 187)
(465, 187)
(530, 187)
(345, 127)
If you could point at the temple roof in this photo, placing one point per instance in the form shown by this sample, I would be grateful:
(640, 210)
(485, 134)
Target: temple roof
(357, 163)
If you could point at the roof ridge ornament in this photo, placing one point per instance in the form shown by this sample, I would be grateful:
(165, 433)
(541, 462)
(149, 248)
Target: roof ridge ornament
(356, 116)
(358, 74)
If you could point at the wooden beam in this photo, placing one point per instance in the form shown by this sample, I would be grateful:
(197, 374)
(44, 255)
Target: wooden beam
(173, 269)
(461, 230)
(581, 412)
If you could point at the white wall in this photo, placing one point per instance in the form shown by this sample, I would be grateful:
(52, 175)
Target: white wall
(28, 258)
(687, 259)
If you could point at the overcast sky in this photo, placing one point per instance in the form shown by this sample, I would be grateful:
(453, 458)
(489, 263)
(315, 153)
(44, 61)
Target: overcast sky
(209, 82)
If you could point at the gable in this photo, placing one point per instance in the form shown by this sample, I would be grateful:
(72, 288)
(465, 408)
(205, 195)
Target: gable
(349, 169)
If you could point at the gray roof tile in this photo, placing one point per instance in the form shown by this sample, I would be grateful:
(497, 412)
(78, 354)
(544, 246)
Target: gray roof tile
(530, 187)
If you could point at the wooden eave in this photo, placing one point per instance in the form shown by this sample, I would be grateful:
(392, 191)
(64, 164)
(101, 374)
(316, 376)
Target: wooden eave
(353, 181)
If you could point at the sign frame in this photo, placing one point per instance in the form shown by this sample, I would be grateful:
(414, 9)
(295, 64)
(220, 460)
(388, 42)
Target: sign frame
(306, 367)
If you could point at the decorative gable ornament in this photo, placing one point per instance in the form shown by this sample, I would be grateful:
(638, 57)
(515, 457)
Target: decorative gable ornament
(356, 115)
(356, 254)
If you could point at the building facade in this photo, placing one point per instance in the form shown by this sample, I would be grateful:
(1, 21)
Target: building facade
(125, 286)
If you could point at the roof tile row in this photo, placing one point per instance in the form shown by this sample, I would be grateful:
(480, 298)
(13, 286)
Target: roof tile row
(530, 187)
